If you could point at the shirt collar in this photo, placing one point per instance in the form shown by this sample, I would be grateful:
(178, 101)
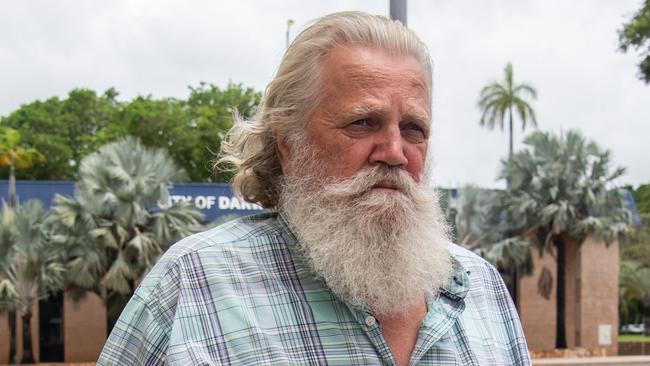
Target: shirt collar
(458, 284)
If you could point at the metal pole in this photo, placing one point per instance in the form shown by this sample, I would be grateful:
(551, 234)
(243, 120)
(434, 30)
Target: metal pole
(289, 24)
(398, 10)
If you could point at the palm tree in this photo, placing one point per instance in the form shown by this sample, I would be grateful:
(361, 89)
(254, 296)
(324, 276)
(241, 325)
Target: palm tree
(561, 189)
(499, 99)
(635, 275)
(7, 292)
(31, 266)
(483, 229)
(119, 221)
(15, 157)
(634, 292)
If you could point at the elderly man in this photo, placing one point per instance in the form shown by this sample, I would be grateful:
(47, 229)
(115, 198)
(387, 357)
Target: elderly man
(352, 265)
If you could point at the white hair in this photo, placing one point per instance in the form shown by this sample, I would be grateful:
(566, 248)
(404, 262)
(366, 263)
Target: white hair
(289, 99)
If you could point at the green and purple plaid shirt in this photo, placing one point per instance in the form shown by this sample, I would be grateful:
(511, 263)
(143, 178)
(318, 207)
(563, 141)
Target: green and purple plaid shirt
(241, 294)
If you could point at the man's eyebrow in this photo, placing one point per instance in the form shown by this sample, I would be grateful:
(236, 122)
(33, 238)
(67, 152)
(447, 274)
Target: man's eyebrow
(378, 110)
(360, 110)
(418, 114)
(366, 109)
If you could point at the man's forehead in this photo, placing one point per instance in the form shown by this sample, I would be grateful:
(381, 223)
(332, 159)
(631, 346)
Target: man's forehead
(370, 75)
(359, 75)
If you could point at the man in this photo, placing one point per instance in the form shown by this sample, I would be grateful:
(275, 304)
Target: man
(352, 266)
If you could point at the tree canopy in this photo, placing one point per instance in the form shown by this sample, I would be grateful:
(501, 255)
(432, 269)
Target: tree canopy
(66, 130)
(635, 34)
(642, 198)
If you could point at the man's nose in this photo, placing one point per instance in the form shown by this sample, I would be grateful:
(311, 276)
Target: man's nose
(389, 148)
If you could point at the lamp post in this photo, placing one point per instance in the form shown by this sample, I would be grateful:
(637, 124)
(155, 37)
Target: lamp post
(453, 211)
(289, 24)
(398, 10)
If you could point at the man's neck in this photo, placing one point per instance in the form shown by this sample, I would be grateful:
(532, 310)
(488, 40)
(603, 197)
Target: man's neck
(401, 331)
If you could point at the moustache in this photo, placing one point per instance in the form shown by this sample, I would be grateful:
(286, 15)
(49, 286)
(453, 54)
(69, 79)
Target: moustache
(380, 176)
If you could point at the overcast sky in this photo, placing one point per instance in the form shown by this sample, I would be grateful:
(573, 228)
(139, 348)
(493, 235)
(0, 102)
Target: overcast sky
(566, 49)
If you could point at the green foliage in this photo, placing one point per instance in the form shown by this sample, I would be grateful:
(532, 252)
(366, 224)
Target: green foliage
(637, 245)
(120, 220)
(642, 198)
(15, 158)
(66, 130)
(499, 99)
(13, 155)
(634, 338)
(634, 289)
(635, 34)
(62, 130)
(190, 130)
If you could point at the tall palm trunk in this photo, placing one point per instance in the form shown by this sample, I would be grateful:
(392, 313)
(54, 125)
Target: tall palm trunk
(560, 325)
(12, 186)
(511, 131)
(646, 316)
(12, 336)
(512, 286)
(28, 354)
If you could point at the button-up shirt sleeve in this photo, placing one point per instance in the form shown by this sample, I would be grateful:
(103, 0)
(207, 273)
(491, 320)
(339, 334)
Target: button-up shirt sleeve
(141, 334)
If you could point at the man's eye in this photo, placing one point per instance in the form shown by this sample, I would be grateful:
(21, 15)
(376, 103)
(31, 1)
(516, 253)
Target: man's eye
(361, 122)
(412, 126)
(414, 132)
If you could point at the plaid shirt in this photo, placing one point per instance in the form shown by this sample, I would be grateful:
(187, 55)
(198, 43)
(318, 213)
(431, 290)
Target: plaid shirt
(241, 294)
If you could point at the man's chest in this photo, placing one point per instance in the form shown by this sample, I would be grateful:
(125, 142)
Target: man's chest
(287, 328)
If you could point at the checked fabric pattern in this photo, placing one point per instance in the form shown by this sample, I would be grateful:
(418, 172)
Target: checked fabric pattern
(242, 294)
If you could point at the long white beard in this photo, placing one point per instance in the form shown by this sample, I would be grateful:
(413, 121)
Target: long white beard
(386, 250)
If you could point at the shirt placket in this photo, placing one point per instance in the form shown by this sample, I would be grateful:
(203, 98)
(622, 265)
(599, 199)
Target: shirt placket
(443, 312)
(372, 328)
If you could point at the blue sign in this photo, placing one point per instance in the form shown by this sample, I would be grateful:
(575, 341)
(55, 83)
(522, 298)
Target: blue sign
(215, 200)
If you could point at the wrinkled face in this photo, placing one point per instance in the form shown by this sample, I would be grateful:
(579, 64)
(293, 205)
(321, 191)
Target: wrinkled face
(374, 110)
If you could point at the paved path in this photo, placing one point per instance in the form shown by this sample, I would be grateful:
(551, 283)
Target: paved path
(595, 361)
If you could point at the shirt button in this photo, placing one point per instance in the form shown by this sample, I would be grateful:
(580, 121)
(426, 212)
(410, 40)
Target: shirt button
(370, 321)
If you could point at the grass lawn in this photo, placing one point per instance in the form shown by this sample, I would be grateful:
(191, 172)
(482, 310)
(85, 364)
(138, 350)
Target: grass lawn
(633, 338)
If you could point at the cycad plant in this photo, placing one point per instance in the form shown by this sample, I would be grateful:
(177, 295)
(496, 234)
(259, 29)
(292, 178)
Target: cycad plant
(119, 221)
(562, 189)
(482, 228)
(31, 266)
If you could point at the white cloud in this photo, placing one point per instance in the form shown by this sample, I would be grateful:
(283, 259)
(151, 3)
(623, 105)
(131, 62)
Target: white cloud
(567, 49)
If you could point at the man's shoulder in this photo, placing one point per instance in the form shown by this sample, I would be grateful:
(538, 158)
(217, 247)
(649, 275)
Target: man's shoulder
(214, 249)
(468, 259)
(242, 232)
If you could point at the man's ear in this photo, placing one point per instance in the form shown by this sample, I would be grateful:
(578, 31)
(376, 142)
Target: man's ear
(282, 148)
